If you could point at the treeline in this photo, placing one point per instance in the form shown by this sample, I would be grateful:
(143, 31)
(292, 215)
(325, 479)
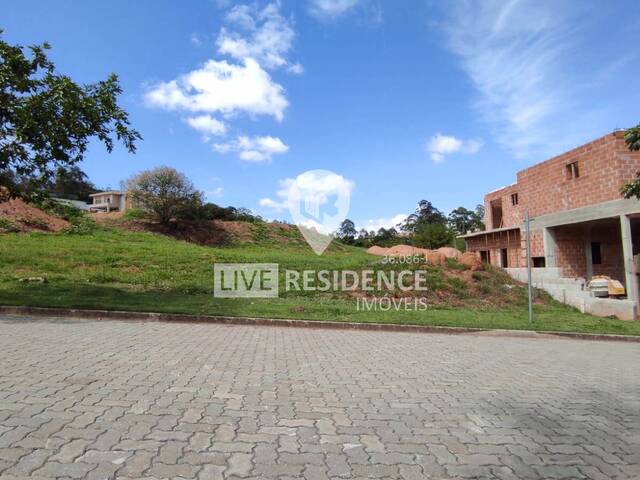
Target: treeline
(427, 227)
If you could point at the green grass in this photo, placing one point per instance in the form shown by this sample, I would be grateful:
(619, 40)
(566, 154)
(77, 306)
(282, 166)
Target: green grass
(117, 270)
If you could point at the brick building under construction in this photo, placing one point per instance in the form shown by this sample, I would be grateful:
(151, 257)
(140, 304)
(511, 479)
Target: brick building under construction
(580, 224)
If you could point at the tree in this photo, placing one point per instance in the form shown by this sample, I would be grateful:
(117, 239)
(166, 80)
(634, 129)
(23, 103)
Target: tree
(632, 139)
(362, 239)
(432, 235)
(425, 213)
(480, 217)
(461, 220)
(165, 193)
(73, 184)
(47, 120)
(385, 237)
(347, 231)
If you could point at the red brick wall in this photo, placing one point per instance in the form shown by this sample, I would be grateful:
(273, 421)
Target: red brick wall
(570, 251)
(612, 259)
(574, 242)
(604, 165)
(537, 246)
(495, 242)
(512, 216)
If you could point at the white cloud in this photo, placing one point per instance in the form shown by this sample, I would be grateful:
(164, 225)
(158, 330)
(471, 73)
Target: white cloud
(440, 145)
(272, 204)
(254, 40)
(376, 224)
(262, 34)
(331, 8)
(207, 125)
(215, 193)
(221, 87)
(197, 39)
(296, 69)
(518, 56)
(312, 184)
(253, 149)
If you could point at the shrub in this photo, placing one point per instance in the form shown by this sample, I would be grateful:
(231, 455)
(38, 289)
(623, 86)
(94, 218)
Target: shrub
(134, 214)
(62, 210)
(8, 226)
(455, 264)
(457, 284)
(34, 222)
(81, 226)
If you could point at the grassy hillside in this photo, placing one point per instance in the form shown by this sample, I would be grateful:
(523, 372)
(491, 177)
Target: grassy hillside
(115, 269)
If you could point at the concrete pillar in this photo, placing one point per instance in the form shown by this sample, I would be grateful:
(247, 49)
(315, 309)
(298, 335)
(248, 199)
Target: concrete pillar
(587, 252)
(549, 245)
(631, 279)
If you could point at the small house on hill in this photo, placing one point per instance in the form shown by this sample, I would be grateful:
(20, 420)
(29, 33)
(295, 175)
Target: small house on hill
(109, 201)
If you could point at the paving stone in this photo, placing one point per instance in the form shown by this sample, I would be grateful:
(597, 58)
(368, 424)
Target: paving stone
(211, 472)
(161, 470)
(239, 464)
(101, 400)
(372, 443)
(30, 462)
(70, 451)
(95, 456)
(69, 470)
(136, 464)
(13, 436)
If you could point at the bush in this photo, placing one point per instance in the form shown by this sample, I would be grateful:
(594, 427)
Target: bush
(34, 222)
(81, 226)
(134, 214)
(211, 211)
(8, 226)
(62, 210)
(455, 264)
(80, 223)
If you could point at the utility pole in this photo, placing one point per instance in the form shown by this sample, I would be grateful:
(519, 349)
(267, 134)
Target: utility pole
(529, 283)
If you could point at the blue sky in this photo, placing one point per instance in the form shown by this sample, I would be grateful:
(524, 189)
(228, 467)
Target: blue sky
(406, 100)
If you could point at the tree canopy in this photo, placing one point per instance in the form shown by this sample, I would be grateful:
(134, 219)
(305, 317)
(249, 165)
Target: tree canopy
(163, 192)
(347, 231)
(47, 120)
(462, 220)
(425, 213)
(632, 139)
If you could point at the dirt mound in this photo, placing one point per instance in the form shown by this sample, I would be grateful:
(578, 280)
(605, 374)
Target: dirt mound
(434, 257)
(376, 250)
(471, 260)
(27, 218)
(450, 252)
(105, 217)
(403, 251)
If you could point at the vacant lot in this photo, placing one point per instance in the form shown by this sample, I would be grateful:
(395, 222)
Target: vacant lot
(105, 400)
(115, 269)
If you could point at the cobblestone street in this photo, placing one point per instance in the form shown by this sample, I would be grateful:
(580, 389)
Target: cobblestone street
(106, 399)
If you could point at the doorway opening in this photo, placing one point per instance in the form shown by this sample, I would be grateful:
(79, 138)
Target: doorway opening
(504, 258)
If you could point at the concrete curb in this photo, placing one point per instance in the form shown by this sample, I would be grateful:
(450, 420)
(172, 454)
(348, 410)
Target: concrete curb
(281, 322)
